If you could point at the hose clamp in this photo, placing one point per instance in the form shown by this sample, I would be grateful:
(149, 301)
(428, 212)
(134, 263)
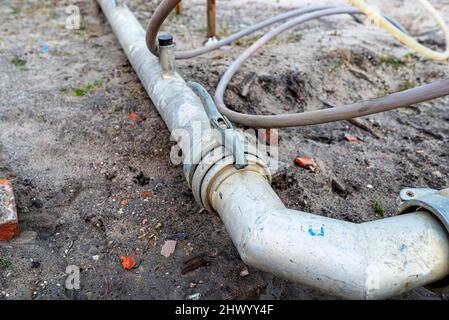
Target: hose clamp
(435, 202)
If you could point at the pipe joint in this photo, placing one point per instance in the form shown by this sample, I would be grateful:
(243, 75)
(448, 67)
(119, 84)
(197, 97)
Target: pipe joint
(218, 165)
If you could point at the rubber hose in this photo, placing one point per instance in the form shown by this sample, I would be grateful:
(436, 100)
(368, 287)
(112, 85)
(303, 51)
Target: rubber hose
(166, 6)
(408, 41)
(396, 100)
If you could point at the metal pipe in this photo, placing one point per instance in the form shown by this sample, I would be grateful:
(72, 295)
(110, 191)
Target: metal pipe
(372, 260)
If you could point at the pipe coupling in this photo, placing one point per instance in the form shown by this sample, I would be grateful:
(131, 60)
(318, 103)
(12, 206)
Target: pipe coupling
(435, 202)
(218, 165)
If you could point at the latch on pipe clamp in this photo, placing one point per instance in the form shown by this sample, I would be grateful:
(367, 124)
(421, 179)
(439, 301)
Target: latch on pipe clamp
(230, 138)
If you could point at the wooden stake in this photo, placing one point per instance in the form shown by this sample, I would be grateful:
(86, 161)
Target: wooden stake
(179, 9)
(211, 18)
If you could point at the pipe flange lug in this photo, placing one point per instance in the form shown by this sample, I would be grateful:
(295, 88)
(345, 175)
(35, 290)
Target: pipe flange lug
(201, 170)
(435, 202)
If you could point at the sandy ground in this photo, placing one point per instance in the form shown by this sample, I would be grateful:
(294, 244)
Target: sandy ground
(93, 185)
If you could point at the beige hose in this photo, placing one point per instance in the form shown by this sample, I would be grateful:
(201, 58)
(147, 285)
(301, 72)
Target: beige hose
(377, 19)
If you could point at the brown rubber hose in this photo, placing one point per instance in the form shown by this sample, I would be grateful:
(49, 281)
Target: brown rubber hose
(167, 6)
(396, 100)
(393, 101)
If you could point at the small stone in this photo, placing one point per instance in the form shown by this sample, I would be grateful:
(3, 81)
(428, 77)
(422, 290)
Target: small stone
(244, 273)
(369, 186)
(178, 236)
(195, 296)
(437, 174)
(142, 237)
(337, 186)
(168, 248)
(158, 226)
(96, 257)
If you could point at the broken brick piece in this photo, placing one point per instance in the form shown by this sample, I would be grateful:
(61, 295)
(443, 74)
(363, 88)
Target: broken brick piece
(137, 118)
(128, 263)
(352, 138)
(9, 222)
(146, 194)
(307, 163)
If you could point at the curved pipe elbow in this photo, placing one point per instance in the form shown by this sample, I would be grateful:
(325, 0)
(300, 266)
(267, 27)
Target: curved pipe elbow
(372, 260)
(353, 261)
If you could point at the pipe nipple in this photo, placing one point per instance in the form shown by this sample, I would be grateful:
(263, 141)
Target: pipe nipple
(167, 55)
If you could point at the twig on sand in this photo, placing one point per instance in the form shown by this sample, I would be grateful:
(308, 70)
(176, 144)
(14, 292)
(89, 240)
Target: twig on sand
(355, 122)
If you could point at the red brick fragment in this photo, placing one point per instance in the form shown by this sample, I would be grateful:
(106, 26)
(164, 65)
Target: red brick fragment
(9, 222)
(308, 163)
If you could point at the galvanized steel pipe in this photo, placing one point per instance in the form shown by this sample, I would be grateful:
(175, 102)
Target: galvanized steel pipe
(372, 260)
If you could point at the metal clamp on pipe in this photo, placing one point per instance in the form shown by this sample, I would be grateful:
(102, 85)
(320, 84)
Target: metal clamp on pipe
(435, 202)
(221, 123)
